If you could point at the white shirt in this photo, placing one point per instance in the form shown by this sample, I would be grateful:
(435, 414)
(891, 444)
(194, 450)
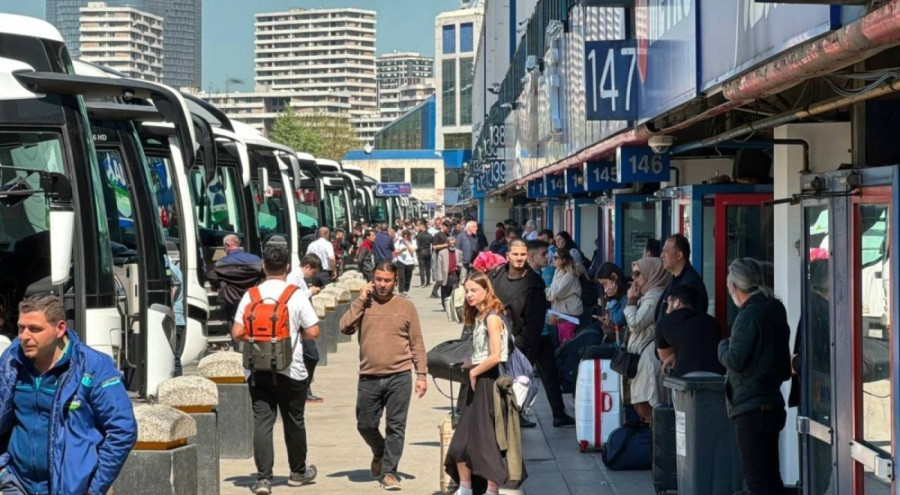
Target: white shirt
(296, 278)
(405, 256)
(322, 248)
(302, 316)
(531, 236)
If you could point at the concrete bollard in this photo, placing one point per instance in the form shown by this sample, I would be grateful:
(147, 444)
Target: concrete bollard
(321, 312)
(198, 397)
(351, 274)
(235, 410)
(342, 294)
(329, 324)
(162, 461)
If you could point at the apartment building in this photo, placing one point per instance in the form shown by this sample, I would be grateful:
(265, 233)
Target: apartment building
(124, 39)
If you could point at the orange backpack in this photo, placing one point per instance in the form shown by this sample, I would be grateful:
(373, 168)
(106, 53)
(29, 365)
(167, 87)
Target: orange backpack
(267, 332)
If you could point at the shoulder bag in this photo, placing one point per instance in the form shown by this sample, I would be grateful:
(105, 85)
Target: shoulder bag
(626, 363)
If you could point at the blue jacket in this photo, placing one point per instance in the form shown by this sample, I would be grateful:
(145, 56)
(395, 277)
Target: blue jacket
(92, 425)
(383, 247)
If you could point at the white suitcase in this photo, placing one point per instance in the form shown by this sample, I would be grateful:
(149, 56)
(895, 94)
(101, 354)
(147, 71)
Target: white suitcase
(598, 403)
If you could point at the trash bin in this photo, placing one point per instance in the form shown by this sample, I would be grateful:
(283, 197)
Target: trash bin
(705, 440)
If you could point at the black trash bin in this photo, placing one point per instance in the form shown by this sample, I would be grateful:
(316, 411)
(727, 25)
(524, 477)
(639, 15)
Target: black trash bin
(705, 441)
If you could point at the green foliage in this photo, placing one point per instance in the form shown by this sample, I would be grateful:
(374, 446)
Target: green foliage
(323, 136)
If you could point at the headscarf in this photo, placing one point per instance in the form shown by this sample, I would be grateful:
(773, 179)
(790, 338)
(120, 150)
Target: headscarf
(653, 273)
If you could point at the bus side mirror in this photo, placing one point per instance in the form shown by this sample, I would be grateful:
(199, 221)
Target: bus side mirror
(58, 190)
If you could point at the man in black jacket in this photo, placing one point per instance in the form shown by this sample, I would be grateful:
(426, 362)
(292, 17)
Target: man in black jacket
(521, 290)
(233, 275)
(676, 259)
(423, 250)
(686, 339)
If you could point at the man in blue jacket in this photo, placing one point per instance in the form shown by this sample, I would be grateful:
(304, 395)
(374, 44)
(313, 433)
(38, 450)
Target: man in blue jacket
(64, 412)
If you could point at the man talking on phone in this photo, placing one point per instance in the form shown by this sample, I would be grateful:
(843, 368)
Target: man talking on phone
(390, 350)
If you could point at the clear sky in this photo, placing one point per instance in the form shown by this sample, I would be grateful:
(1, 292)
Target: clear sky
(402, 25)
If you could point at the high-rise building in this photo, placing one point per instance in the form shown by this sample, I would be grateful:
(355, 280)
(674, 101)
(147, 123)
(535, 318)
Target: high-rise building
(404, 81)
(124, 39)
(183, 29)
(456, 42)
(319, 50)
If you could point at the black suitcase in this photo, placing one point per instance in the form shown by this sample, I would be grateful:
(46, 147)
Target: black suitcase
(665, 466)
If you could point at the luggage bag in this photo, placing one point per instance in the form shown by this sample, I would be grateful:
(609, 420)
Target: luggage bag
(665, 464)
(598, 403)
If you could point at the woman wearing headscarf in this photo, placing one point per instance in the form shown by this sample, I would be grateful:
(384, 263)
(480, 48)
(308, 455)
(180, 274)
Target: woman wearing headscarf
(650, 280)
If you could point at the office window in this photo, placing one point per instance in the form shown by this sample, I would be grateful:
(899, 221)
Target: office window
(422, 177)
(453, 177)
(462, 141)
(393, 175)
(450, 38)
(465, 38)
(448, 92)
(466, 78)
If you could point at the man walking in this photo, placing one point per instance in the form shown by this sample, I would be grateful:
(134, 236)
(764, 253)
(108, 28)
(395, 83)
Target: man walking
(439, 242)
(66, 417)
(384, 244)
(390, 349)
(468, 244)
(676, 259)
(309, 269)
(234, 274)
(521, 290)
(423, 247)
(285, 389)
(324, 249)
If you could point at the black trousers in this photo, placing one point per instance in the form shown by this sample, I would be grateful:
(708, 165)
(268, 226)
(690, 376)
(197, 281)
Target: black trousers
(406, 275)
(757, 438)
(179, 348)
(389, 395)
(447, 289)
(425, 269)
(268, 391)
(545, 360)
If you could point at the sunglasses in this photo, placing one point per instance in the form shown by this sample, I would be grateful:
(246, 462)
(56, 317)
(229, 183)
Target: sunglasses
(635, 274)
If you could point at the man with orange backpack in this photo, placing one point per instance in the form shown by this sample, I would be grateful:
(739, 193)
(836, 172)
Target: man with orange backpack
(271, 320)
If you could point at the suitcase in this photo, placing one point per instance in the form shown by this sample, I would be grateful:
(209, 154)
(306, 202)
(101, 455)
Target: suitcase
(598, 403)
(665, 464)
(445, 427)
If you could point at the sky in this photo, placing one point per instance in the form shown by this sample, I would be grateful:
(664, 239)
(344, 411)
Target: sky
(402, 25)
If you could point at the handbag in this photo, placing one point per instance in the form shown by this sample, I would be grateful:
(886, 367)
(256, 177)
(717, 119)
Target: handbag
(445, 360)
(626, 363)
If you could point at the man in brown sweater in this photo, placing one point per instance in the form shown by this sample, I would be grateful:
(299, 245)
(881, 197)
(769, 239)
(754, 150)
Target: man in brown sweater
(390, 348)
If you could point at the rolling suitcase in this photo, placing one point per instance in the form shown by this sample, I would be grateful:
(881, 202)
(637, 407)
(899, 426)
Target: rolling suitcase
(598, 403)
(445, 427)
(665, 467)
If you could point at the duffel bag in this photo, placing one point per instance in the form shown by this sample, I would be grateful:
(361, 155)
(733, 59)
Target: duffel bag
(445, 360)
(628, 448)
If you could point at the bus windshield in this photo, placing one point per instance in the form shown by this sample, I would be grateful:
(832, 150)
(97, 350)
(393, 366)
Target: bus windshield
(162, 179)
(221, 204)
(380, 210)
(272, 213)
(335, 208)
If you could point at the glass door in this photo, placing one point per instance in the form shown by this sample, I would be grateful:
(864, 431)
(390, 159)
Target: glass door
(873, 410)
(815, 420)
(743, 229)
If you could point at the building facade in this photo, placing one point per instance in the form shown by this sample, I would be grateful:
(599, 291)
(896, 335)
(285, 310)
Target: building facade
(183, 29)
(124, 39)
(455, 48)
(405, 79)
(319, 50)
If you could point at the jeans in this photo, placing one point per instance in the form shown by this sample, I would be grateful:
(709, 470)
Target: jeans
(425, 269)
(406, 275)
(289, 396)
(757, 438)
(389, 394)
(10, 485)
(179, 348)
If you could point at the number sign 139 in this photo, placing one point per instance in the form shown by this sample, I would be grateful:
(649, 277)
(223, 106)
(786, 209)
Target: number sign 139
(641, 164)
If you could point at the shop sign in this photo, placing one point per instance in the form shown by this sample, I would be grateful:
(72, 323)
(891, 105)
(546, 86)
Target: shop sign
(738, 34)
(535, 189)
(574, 181)
(600, 176)
(641, 164)
(611, 80)
(554, 185)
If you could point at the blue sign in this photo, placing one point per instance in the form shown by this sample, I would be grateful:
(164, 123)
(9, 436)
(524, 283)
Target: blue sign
(495, 175)
(574, 181)
(600, 176)
(607, 3)
(738, 34)
(393, 189)
(535, 189)
(478, 189)
(641, 164)
(611, 79)
(554, 185)
(666, 32)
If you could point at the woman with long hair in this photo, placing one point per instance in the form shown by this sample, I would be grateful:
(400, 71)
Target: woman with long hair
(473, 450)
(564, 294)
(564, 242)
(615, 295)
(650, 280)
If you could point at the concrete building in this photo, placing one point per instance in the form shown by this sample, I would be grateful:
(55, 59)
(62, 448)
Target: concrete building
(124, 39)
(456, 36)
(183, 31)
(319, 50)
(260, 108)
(405, 79)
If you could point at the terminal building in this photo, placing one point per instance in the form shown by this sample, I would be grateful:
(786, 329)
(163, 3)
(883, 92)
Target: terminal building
(760, 130)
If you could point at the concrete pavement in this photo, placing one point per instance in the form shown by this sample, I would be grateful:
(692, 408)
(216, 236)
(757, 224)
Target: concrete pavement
(554, 464)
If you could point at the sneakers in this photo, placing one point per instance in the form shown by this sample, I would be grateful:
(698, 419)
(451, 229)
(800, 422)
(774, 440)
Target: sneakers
(313, 399)
(297, 479)
(262, 487)
(564, 420)
(390, 482)
(375, 467)
(524, 423)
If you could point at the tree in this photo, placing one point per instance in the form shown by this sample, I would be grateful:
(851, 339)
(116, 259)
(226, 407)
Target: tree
(322, 135)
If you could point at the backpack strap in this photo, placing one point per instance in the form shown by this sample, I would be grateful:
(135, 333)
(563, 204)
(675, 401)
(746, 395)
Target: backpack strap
(255, 300)
(287, 294)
